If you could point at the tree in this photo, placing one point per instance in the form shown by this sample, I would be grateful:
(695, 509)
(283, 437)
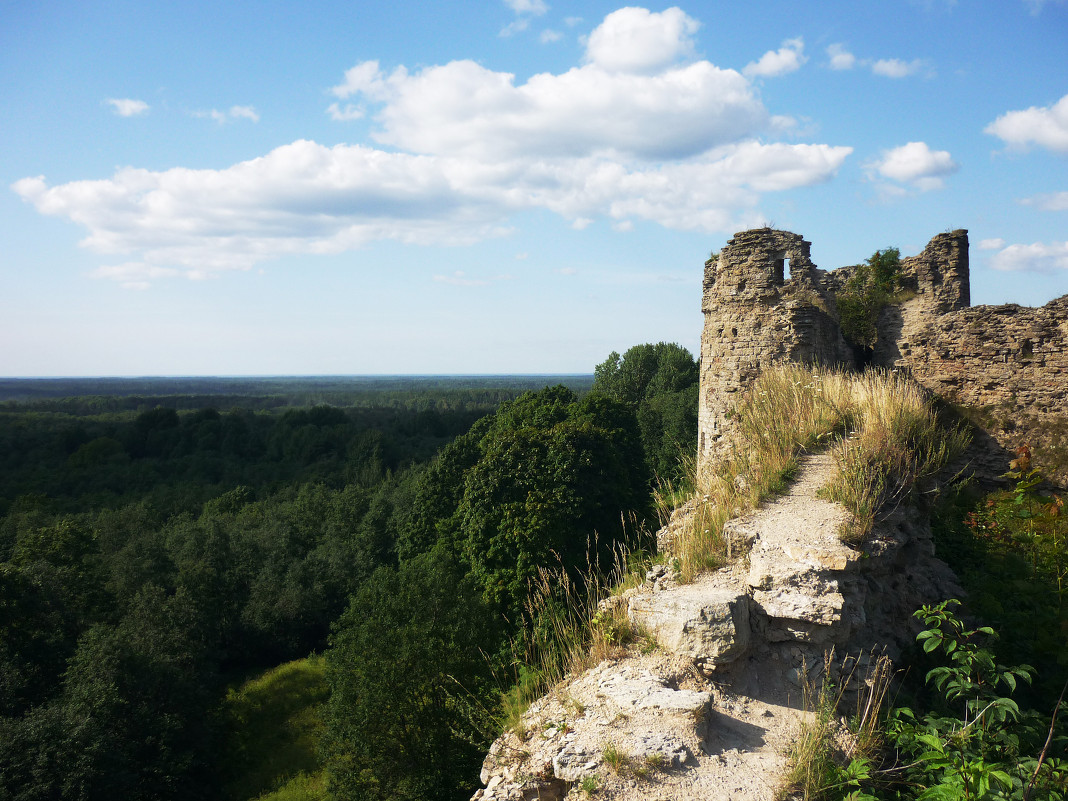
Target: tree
(660, 383)
(866, 292)
(410, 685)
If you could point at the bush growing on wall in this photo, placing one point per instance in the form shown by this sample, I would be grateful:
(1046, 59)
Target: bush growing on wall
(866, 292)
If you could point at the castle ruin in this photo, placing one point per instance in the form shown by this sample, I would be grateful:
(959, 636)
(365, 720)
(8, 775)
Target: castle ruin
(764, 301)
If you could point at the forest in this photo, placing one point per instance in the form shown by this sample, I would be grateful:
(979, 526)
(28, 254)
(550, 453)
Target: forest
(166, 546)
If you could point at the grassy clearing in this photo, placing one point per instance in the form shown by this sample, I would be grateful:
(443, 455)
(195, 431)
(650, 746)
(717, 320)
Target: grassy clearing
(273, 725)
(884, 432)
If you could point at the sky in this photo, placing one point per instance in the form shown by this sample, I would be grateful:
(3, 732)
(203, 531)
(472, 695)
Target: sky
(511, 186)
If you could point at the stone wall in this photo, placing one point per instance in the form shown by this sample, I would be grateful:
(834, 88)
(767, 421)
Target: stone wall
(1006, 365)
(757, 314)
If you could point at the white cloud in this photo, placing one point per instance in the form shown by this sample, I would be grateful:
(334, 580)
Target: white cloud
(468, 148)
(462, 107)
(308, 198)
(1046, 127)
(533, 7)
(637, 40)
(786, 59)
(1054, 201)
(126, 107)
(917, 165)
(244, 113)
(571, 22)
(231, 114)
(1039, 257)
(991, 244)
(840, 58)
(512, 28)
(896, 68)
(567, 271)
(547, 36)
(349, 111)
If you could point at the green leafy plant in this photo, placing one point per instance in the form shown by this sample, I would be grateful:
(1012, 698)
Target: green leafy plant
(975, 742)
(615, 757)
(866, 292)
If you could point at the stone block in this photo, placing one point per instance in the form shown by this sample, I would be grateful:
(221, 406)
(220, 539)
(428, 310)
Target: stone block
(708, 625)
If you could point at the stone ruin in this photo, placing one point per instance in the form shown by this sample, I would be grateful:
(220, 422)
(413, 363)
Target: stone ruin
(764, 301)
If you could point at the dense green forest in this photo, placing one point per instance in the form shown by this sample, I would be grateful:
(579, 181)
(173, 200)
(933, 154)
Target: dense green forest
(236, 591)
(157, 548)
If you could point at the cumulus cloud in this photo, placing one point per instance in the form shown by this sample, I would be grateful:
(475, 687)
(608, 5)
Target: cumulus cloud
(231, 114)
(463, 107)
(916, 165)
(127, 107)
(1054, 201)
(533, 7)
(786, 59)
(466, 148)
(1045, 126)
(548, 35)
(1039, 257)
(991, 244)
(896, 68)
(637, 40)
(840, 58)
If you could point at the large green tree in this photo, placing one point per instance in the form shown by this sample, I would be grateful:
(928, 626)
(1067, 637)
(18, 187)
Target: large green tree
(660, 383)
(410, 684)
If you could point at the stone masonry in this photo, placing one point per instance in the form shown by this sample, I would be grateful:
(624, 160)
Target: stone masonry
(764, 301)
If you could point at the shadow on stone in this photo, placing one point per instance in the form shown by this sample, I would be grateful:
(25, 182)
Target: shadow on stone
(723, 733)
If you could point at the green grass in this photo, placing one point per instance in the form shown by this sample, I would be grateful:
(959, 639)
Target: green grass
(272, 725)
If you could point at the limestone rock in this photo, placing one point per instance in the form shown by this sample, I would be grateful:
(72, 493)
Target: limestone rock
(708, 625)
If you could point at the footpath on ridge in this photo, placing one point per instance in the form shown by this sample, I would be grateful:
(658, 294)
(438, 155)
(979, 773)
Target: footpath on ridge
(712, 712)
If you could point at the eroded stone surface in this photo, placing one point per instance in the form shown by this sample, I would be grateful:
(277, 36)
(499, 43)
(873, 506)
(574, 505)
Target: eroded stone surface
(710, 625)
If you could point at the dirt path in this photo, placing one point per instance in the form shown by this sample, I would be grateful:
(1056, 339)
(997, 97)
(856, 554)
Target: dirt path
(680, 734)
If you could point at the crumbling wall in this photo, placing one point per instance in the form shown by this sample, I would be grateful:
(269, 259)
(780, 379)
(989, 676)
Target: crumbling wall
(1006, 365)
(764, 301)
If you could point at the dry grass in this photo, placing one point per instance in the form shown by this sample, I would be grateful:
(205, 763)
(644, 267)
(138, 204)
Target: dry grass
(825, 745)
(572, 625)
(894, 440)
(899, 443)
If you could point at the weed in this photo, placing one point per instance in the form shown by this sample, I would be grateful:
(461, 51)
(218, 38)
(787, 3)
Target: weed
(655, 761)
(572, 624)
(590, 784)
(615, 758)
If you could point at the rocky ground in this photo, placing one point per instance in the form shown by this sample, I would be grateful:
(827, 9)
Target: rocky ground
(712, 711)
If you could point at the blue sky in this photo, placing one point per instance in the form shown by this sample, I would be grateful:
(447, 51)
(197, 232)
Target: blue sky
(515, 186)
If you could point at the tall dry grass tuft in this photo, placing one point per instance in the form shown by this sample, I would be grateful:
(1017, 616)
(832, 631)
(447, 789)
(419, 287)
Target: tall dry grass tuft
(884, 431)
(898, 442)
(824, 746)
(788, 409)
(572, 624)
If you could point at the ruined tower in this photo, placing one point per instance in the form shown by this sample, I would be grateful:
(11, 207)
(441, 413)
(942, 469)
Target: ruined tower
(764, 301)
